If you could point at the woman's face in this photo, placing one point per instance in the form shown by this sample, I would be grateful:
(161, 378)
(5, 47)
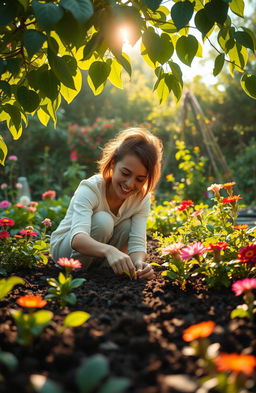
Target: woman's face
(129, 176)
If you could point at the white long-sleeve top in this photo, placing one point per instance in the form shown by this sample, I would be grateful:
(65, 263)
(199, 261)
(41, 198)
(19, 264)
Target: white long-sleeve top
(89, 198)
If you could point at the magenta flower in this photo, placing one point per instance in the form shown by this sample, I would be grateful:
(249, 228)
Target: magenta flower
(28, 232)
(4, 234)
(69, 263)
(244, 285)
(13, 158)
(193, 249)
(5, 204)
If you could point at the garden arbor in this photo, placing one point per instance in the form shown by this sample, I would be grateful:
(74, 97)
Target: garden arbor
(45, 44)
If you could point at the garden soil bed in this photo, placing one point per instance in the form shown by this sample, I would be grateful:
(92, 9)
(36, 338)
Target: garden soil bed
(136, 324)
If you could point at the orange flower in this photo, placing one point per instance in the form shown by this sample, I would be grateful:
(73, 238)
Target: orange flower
(202, 329)
(235, 362)
(241, 227)
(31, 301)
(229, 185)
(231, 199)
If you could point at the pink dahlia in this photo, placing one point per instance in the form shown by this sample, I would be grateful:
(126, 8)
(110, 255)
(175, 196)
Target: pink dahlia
(70, 263)
(172, 249)
(244, 285)
(191, 250)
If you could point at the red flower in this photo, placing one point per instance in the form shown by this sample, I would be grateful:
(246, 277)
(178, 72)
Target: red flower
(19, 205)
(28, 232)
(6, 222)
(231, 199)
(31, 301)
(4, 234)
(185, 204)
(247, 254)
(73, 155)
(50, 194)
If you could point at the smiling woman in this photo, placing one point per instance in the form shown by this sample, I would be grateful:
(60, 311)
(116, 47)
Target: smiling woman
(105, 224)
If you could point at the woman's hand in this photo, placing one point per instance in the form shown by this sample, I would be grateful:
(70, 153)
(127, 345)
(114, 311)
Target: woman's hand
(119, 261)
(144, 270)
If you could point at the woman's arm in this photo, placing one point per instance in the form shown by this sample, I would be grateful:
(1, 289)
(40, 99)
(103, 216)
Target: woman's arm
(118, 261)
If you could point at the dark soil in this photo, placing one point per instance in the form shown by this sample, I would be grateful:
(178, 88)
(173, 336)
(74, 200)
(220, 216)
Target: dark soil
(136, 324)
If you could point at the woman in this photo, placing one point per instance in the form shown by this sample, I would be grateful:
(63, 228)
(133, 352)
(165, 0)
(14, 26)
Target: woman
(105, 223)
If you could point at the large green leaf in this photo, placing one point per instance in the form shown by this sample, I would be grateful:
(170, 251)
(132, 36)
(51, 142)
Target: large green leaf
(4, 149)
(124, 60)
(153, 4)
(33, 41)
(47, 14)
(186, 48)
(14, 113)
(237, 6)
(243, 38)
(91, 372)
(61, 69)
(13, 65)
(48, 84)
(181, 13)
(217, 11)
(203, 22)
(173, 85)
(99, 72)
(248, 83)
(158, 48)
(28, 99)
(6, 88)
(82, 10)
(218, 64)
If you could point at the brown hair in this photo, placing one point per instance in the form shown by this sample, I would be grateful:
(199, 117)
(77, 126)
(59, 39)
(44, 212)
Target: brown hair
(139, 142)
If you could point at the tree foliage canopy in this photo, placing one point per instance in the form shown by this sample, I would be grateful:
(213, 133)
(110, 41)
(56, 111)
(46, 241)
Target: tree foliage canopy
(45, 45)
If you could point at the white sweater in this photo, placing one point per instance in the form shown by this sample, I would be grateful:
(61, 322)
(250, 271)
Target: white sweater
(89, 198)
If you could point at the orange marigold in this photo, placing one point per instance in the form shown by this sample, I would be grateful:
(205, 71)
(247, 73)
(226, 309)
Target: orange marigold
(202, 329)
(231, 199)
(241, 227)
(235, 362)
(229, 185)
(31, 301)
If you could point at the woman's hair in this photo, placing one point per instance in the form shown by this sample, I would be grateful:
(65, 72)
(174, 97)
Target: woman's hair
(139, 142)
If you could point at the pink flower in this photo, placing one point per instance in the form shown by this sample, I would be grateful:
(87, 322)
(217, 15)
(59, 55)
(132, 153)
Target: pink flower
(31, 209)
(5, 222)
(50, 194)
(197, 213)
(193, 249)
(4, 234)
(33, 203)
(18, 185)
(13, 158)
(244, 285)
(73, 155)
(73, 127)
(28, 232)
(3, 186)
(172, 249)
(5, 204)
(19, 205)
(70, 263)
(47, 222)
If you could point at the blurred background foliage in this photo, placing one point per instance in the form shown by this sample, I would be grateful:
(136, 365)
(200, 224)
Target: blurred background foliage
(59, 158)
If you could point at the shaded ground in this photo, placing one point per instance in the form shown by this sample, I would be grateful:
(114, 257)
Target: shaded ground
(137, 325)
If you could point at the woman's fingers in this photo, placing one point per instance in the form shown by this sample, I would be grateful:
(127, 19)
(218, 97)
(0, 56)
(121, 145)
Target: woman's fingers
(146, 272)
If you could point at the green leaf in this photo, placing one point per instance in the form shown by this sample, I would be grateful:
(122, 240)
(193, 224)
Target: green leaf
(124, 60)
(244, 39)
(47, 14)
(240, 313)
(186, 48)
(6, 88)
(8, 11)
(115, 74)
(203, 22)
(76, 318)
(9, 360)
(7, 284)
(13, 65)
(173, 85)
(70, 298)
(248, 83)
(218, 64)
(82, 10)
(62, 278)
(42, 317)
(14, 113)
(28, 99)
(162, 90)
(158, 48)
(217, 11)
(153, 4)
(48, 84)
(99, 72)
(115, 385)
(77, 282)
(181, 13)
(61, 69)
(4, 150)
(33, 41)
(91, 372)
(237, 6)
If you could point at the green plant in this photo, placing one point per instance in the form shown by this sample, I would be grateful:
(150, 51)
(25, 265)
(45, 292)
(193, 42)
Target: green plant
(63, 286)
(7, 284)
(74, 319)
